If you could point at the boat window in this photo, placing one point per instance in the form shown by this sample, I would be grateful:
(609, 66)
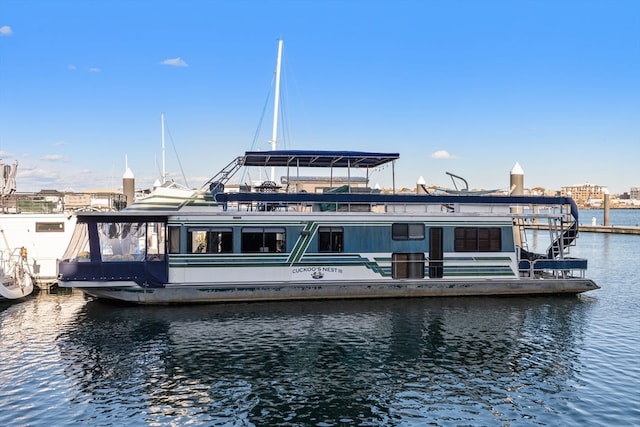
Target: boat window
(49, 227)
(477, 239)
(407, 231)
(330, 239)
(210, 240)
(155, 241)
(263, 239)
(407, 265)
(122, 241)
(174, 240)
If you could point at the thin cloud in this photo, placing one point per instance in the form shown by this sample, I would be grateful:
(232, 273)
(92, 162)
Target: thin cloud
(58, 144)
(35, 174)
(71, 67)
(5, 154)
(52, 157)
(5, 30)
(442, 154)
(175, 62)
(94, 70)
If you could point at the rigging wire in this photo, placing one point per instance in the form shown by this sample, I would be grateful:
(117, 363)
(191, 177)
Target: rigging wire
(256, 134)
(283, 131)
(176, 153)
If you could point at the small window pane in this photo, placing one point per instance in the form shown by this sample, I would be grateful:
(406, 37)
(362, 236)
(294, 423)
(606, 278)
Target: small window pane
(407, 231)
(416, 231)
(174, 240)
(49, 227)
(400, 231)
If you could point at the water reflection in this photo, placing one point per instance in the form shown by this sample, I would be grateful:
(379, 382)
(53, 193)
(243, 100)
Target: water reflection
(327, 363)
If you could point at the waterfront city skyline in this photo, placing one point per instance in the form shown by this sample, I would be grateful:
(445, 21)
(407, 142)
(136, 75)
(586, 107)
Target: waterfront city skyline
(465, 87)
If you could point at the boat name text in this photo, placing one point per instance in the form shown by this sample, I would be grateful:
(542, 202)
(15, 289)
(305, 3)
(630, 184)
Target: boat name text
(317, 269)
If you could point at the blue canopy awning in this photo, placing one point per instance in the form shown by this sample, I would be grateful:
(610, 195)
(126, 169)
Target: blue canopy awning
(320, 159)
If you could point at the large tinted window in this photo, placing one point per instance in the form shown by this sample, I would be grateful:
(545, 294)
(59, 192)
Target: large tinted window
(263, 239)
(210, 240)
(407, 231)
(132, 241)
(330, 239)
(477, 239)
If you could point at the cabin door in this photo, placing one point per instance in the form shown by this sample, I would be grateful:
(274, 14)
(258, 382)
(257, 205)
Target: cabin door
(436, 268)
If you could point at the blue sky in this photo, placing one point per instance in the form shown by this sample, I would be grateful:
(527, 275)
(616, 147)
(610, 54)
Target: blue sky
(469, 87)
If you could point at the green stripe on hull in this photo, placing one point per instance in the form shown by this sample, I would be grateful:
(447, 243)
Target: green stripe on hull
(479, 272)
(303, 242)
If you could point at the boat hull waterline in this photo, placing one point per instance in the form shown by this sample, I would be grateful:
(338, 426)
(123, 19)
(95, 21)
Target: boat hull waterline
(177, 294)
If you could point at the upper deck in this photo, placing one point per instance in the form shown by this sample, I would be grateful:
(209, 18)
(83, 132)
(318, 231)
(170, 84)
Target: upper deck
(345, 195)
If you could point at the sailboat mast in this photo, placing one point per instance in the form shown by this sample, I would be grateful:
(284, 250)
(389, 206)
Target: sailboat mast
(276, 103)
(164, 172)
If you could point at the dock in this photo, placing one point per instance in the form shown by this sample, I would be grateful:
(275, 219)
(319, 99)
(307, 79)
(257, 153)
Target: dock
(611, 229)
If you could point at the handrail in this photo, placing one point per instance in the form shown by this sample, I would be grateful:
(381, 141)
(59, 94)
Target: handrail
(555, 265)
(379, 198)
(226, 173)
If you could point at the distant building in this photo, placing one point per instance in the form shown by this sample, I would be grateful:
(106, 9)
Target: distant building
(635, 193)
(53, 201)
(318, 184)
(584, 194)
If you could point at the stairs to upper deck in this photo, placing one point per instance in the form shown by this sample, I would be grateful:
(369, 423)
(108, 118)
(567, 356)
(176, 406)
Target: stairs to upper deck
(567, 237)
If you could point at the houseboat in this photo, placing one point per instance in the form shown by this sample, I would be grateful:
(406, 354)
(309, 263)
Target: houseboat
(280, 242)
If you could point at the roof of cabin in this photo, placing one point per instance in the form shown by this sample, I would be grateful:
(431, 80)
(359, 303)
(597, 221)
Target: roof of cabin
(321, 159)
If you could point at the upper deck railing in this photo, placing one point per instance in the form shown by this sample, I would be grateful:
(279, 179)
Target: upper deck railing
(385, 199)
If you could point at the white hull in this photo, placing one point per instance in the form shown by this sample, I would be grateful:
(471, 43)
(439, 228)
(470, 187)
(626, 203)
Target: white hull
(14, 287)
(14, 293)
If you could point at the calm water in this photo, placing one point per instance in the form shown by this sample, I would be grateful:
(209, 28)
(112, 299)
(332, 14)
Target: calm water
(619, 217)
(541, 361)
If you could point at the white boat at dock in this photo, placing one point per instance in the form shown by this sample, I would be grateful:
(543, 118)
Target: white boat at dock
(283, 242)
(36, 227)
(16, 281)
(42, 223)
